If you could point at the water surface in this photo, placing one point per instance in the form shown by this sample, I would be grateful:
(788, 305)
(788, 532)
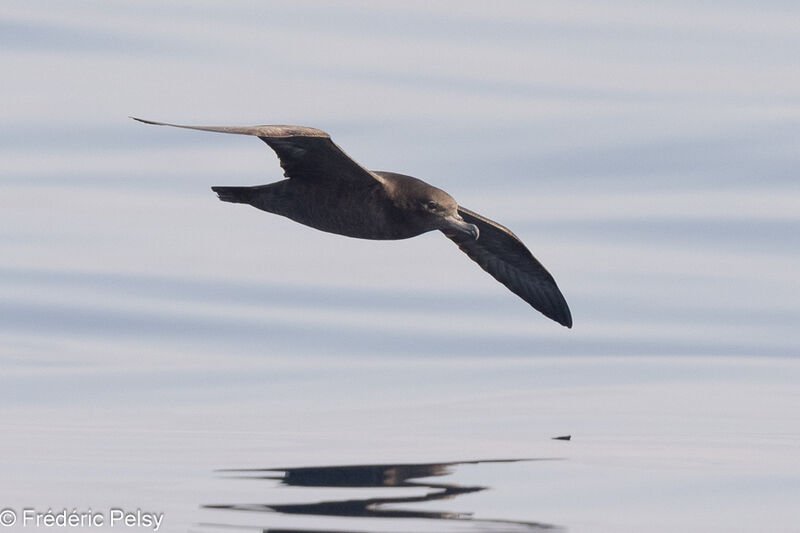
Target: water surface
(151, 335)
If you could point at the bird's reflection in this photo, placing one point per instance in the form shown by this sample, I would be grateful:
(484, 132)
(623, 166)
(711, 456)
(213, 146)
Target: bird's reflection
(366, 476)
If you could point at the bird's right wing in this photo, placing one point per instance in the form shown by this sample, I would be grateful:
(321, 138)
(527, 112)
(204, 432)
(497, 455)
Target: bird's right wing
(500, 253)
(305, 153)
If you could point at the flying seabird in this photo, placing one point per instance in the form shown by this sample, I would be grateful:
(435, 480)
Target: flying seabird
(329, 191)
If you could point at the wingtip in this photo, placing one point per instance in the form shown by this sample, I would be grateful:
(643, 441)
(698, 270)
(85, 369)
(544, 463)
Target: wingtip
(560, 314)
(562, 320)
(566, 320)
(144, 120)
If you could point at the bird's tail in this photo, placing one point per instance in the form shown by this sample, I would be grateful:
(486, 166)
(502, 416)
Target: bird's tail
(237, 195)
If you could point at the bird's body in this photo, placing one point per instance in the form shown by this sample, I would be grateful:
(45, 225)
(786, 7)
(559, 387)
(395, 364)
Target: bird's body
(327, 205)
(329, 191)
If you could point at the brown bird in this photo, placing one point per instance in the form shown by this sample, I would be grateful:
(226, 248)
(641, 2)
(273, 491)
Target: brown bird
(329, 191)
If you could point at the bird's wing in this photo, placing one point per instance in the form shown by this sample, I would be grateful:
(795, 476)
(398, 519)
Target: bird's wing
(500, 253)
(304, 153)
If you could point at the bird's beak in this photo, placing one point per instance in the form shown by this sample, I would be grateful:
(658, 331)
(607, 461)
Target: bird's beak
(456, 223)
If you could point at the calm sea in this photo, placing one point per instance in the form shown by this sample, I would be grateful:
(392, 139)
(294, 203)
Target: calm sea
(165, 354)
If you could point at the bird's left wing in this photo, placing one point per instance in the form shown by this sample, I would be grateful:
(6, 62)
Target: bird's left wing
(500, 253)
(305, 153)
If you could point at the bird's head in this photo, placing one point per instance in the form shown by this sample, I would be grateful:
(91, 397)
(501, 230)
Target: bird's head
(426, 207)
(442, 210)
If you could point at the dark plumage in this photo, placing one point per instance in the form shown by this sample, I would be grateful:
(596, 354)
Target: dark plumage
(329, 191)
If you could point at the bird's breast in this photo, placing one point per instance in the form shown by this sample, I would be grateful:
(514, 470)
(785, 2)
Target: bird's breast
(363, 213)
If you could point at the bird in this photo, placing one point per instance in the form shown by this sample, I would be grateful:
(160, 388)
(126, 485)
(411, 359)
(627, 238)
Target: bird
(328, 190)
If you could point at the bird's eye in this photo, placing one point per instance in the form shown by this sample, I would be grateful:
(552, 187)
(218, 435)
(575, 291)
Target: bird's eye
(433, 206)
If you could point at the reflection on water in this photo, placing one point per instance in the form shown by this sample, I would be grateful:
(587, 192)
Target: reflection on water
(377, 476)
